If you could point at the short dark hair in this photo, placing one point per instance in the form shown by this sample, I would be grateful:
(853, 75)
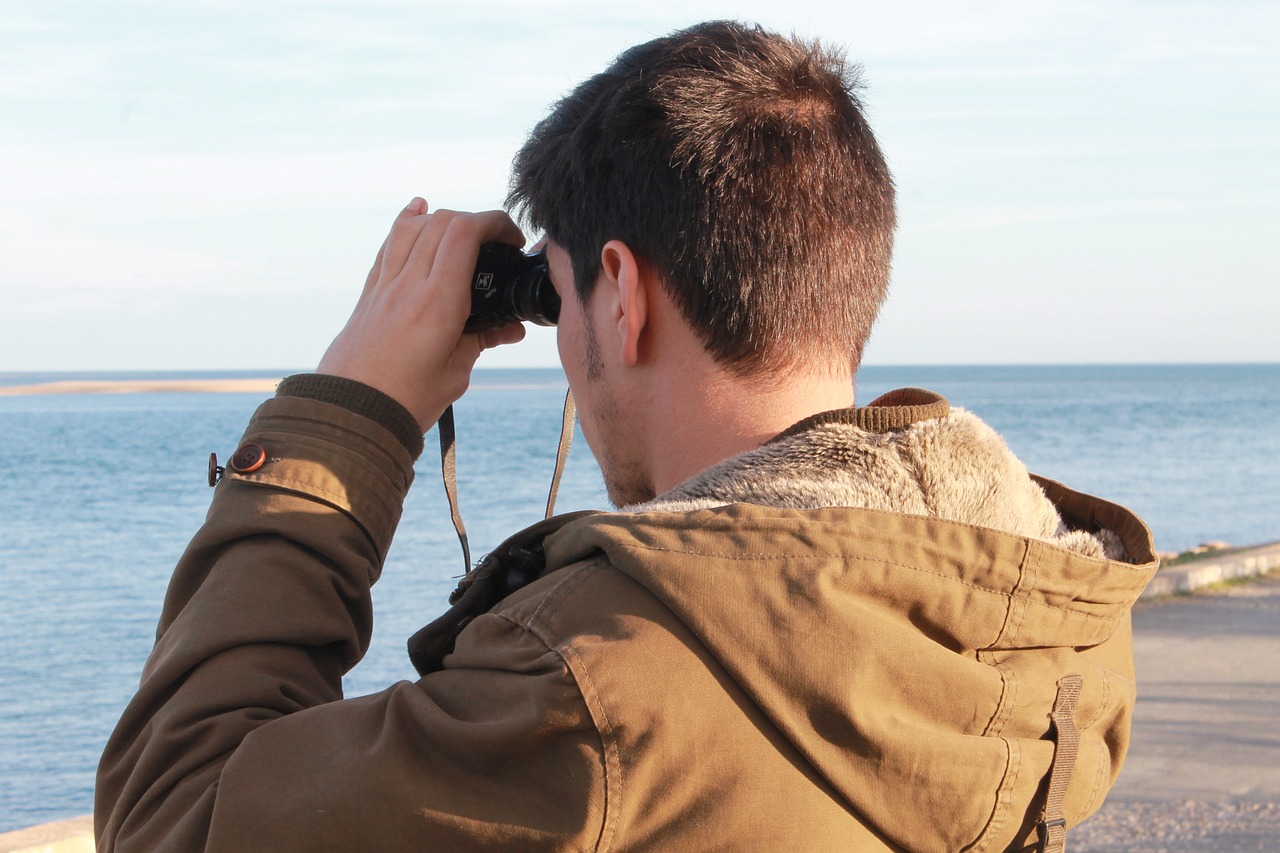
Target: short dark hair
(737, 163)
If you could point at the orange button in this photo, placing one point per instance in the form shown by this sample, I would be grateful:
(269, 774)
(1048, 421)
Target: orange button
(248, 458)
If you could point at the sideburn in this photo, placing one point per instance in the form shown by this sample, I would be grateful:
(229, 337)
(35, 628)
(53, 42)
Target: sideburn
(595, 366)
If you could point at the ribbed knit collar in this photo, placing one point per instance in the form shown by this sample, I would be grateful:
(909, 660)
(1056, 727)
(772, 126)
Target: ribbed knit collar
(892, 411)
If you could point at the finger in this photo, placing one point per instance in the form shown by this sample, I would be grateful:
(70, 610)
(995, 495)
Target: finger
(437, 273)
(455, 255)
(374, 271)
(512, 333)
(420, 255)
(404, 232)
(417, 205)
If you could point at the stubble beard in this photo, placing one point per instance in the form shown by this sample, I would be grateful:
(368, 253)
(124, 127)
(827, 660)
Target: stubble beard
(625, 480)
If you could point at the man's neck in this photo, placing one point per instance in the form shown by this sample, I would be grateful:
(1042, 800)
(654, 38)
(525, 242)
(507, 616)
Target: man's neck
(708, 419)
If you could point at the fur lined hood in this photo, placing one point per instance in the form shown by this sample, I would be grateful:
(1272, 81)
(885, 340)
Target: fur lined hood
(937, 461)
(901, 598)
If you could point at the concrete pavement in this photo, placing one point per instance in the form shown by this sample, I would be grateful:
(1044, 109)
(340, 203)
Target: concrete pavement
(1203, 772)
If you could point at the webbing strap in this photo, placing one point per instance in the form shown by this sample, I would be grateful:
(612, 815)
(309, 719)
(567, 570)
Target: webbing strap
(449, 470)
(1053, 826)
(562, 451)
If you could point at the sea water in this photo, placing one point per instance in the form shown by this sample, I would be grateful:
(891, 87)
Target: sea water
(100, 493)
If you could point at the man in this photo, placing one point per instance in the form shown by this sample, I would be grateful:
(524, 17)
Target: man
(809, 627)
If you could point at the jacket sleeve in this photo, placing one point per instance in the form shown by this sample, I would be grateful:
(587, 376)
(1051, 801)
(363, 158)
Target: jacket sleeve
(238, 737)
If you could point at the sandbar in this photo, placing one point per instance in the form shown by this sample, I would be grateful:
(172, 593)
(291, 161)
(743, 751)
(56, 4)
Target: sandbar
(144, 386)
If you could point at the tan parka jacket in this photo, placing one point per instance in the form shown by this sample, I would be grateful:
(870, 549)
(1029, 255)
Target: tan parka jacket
(851, 638)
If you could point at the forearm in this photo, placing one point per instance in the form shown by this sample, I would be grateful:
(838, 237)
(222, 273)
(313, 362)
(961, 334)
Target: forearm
(267, 608)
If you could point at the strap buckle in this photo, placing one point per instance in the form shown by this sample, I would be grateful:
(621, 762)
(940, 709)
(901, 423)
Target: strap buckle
(1044, 828)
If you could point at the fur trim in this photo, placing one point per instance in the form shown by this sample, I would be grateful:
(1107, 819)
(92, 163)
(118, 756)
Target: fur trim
(955, 468)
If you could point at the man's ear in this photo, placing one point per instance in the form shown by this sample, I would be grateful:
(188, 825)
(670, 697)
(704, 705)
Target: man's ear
(631, 281)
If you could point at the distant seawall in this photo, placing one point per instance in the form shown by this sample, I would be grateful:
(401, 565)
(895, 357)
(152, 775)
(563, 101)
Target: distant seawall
(1210, 570)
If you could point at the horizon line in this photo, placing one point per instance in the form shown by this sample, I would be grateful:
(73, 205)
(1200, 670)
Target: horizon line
(267, 372)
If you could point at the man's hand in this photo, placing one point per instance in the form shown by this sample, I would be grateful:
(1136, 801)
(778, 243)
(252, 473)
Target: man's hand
(405, 336)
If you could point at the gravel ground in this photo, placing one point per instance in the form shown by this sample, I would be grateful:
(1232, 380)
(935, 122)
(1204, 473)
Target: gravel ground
(1180, 827)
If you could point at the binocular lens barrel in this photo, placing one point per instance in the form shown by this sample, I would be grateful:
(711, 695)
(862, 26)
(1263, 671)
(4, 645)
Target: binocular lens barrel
(510, 286)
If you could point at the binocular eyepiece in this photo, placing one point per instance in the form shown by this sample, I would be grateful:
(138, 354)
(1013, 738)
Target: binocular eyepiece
(509, 285)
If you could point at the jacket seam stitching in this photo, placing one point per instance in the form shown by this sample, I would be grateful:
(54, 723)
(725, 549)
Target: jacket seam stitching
(1015, 605)
(813, 556)
(374, 531)
(609, 753)
(390, 477)
(302, 487)
(1106, 697)
(609, 744)
(546, 608)
(976, 528)
(1000, 809)
(280, 421)
(1027, 577)
(1099, 782)
(1008, 698)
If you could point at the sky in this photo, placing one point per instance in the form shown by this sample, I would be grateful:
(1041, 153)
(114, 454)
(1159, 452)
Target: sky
(202, 185)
